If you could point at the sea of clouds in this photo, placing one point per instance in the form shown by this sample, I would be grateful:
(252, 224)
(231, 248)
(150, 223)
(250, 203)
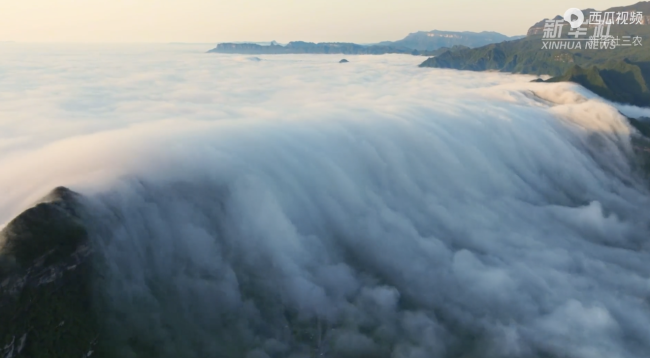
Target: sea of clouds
(298, 207)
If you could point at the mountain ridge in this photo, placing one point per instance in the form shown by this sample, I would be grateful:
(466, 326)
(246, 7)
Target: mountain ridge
(621, 81)
(45, 282)
(527, 56)
(302, 47)
(416, 43)
(435, 39)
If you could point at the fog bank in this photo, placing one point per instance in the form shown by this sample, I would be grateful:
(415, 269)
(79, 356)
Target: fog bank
(295, 207)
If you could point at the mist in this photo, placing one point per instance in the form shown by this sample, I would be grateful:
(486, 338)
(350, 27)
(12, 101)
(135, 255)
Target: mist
(297, 207)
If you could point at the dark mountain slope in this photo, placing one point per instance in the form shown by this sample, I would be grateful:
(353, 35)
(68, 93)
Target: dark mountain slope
(45, 286)
(621, 81)
(618, 74)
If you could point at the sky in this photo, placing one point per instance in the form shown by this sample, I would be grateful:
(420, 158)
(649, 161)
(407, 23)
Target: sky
(203, 21)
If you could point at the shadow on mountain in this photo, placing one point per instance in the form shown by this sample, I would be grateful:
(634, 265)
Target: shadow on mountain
(45, 285)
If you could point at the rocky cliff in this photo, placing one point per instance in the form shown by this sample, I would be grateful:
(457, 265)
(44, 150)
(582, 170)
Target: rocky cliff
(433, 40)
(643, 7)
(45, 282)
(607, 71)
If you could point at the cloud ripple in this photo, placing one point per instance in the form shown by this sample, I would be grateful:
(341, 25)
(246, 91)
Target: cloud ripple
(294, 207)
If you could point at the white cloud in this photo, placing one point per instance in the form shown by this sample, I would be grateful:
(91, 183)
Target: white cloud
(269, 208)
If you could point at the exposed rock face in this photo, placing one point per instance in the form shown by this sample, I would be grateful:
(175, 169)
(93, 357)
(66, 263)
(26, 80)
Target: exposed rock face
(529, 55)
(45, 286)
(643, 7)
(538, 28)
(433, 40)
(344, 61)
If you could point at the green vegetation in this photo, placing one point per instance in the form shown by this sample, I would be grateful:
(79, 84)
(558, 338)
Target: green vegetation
(621, 81)
(641, 145)
(526, 56)
(642, 125)
(619, 74)
(439, 51)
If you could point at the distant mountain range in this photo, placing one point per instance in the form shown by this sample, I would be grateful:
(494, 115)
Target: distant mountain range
(418, 43)
(433, 40)
(618, 74)
(301, 47)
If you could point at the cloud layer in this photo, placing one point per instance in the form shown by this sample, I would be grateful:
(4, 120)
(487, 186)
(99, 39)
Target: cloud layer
(296, 207)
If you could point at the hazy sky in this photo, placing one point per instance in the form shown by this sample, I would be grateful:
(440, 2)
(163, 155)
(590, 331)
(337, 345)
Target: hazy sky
(265, 20)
